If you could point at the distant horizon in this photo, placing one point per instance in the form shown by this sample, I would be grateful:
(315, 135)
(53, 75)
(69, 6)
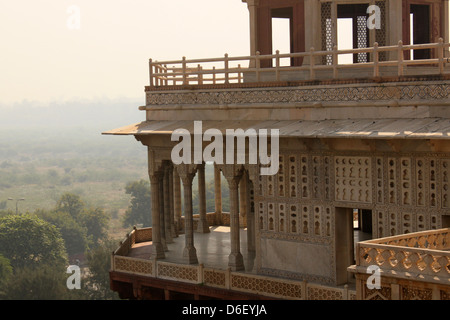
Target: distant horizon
(56, 51)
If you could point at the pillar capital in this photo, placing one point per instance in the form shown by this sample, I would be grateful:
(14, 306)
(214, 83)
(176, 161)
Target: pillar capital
(154, 163)
(251, 3)
(186, 172)
(231, 171)
(253, 171)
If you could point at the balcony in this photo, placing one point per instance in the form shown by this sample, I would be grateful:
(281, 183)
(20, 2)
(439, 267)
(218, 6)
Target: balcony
(131, 262)
(314, 67)
(313, 87)
(412, 266)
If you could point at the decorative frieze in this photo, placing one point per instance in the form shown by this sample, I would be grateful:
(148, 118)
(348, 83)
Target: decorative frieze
(432, 91)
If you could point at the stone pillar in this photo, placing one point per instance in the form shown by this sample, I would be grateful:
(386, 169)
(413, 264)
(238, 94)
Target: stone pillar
(173, 230)
(445, 24)
(253, 172)
(313, 30)
(250, 219)
(218, 191)
(162, 217)
(235, 260)
(203, 225)
(167, 220)
(243, 200)
(177, 198)
(157, 247)
(187, 175)
(253, 9)
(394, 20)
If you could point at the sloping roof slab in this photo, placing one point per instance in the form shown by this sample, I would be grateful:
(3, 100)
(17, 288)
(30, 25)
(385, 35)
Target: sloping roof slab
(428, 128)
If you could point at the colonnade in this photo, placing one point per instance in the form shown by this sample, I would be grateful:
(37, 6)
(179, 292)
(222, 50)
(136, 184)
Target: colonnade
(165, 182)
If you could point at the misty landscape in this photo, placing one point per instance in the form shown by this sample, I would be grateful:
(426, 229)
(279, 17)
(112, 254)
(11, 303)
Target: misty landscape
(48, 150)
(57, 168)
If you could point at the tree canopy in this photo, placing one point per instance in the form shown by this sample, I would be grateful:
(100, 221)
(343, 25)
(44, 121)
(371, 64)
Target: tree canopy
(27, 240)
(139, 211)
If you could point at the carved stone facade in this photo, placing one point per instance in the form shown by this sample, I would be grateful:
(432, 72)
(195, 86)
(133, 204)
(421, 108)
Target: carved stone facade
(371, 139)
(405, 192)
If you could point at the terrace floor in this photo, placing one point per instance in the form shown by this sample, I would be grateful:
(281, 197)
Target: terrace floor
(212, 248)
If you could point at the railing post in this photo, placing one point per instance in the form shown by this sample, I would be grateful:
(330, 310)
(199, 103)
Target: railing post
(441, 55)
(400, 58)
(200, 270)
(200, 75)
(258, 66)
(376, 70)
(311, 64)
(277, 65)
(151, 72)
(157, 78)
(335, 62)
(228, 278)
(226, 69)
(166, 78)
(214, 75)
(239, 74)
(184, 71)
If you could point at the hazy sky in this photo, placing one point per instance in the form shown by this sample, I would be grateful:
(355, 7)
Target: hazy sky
(44, 59)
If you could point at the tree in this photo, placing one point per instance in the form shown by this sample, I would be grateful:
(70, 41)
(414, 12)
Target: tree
(96, 223)
(70, 203)
(97, 283)
(75, 235)
(5, 271)
(27, 240)
(38, 282)
(139, 210)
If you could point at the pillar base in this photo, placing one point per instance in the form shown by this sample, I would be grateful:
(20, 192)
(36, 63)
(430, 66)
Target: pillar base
(164, 244)
(190, 255)
(158, 251)
(236, 262)
(203, 226)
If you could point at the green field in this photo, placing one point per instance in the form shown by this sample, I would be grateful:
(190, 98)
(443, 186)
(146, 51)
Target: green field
(41, 165)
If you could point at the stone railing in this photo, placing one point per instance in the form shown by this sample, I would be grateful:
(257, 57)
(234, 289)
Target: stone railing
(226, 70)
(424, 256)
(219, 278)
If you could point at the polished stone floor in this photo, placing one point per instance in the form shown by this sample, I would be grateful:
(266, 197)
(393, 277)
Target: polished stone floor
(212, 248)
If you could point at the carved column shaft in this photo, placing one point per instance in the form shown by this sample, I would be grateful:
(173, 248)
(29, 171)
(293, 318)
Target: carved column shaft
(187, 173)
(166, 193)
(203, 226)
(217, 191)
(173, 230)
(157, 249)
(235, 260)
(161, 211)
(177, 197)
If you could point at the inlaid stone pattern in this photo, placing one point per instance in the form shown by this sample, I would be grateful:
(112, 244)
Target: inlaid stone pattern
(405, 192)
(264, 285)
(322, 293)
(353, 179)
(306, 94)
(133, 265)
(214, 278)
(175, 271)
